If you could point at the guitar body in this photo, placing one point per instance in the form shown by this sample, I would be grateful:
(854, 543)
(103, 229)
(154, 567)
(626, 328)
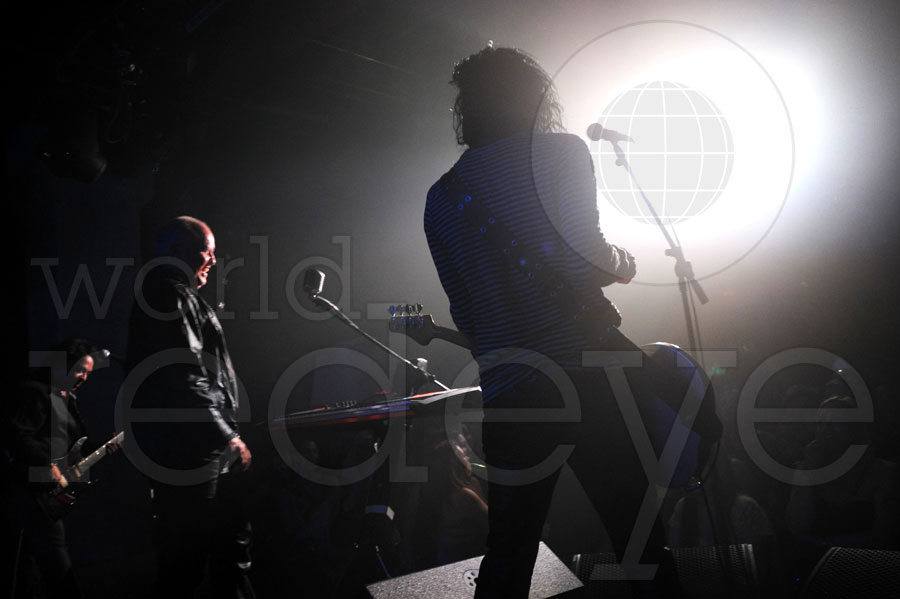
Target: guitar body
(68, 464)
(57, 504)
(687, 382)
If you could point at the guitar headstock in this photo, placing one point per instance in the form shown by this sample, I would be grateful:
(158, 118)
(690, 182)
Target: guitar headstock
(409, 320)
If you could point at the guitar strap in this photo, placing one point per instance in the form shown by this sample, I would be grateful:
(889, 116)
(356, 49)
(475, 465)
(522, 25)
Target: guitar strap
(597, 318)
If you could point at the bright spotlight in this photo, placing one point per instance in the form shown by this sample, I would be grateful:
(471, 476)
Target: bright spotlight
(714, 141)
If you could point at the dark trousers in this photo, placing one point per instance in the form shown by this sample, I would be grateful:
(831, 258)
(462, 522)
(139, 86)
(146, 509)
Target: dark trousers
(199, 525)
(602, 455)
(40, 546)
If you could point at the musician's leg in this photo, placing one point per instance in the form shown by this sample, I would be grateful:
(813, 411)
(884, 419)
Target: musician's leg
(230, 551)
(182, 520)
(608, 467)
(516, 511)
(52, 557)
(44, 546)
(516, 517)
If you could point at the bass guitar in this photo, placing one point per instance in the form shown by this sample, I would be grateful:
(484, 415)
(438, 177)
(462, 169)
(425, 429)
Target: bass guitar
(57, 502)
(682, 375)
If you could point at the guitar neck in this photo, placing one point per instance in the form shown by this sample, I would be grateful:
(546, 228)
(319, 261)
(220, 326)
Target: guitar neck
(422, 329)
(453, 336)
(92, 459)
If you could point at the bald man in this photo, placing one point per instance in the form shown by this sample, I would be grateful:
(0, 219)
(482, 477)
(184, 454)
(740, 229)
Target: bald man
(179, 364)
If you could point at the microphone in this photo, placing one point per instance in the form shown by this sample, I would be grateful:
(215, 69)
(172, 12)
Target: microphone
(596, 132)
(104, 358)
(313, 282)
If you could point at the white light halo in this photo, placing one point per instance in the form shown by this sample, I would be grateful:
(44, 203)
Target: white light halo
(739, 86)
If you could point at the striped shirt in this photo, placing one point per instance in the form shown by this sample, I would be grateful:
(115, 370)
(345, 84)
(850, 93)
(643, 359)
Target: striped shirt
(541, 187)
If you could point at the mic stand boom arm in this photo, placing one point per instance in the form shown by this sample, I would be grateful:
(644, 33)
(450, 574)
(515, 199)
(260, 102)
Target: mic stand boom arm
(683, 269)
(329, 306)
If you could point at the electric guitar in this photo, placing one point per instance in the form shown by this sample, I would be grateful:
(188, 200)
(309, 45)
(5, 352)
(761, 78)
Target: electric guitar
(661, 419)
(57, 502)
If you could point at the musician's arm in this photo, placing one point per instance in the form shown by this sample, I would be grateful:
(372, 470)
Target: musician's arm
(28, 426)
(579, 220)
(28, 429)
(57, 476)
(456, 290)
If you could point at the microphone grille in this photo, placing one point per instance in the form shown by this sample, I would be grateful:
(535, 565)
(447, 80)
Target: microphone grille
(313, 281)
(595, 132)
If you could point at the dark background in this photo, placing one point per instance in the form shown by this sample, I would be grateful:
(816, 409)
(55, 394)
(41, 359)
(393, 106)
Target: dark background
(315, 129)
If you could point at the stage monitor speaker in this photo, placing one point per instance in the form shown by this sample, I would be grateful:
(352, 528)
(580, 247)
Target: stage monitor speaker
(551, 578)
(844, 572)
(704, 572)
(717, 571)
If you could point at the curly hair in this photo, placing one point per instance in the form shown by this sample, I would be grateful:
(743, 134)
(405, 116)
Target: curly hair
(501, 92)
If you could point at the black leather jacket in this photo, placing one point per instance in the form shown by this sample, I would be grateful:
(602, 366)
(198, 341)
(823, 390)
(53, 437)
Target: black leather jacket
(177, 359)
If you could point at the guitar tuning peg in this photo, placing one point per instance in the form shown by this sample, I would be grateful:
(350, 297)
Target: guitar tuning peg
(409, 309)
(419, 309)
(392, 310)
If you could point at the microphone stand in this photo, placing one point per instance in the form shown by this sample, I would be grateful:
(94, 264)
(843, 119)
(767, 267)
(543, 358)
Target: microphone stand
(377, 491)
(686, 284)
(329, 306)
(683, 269)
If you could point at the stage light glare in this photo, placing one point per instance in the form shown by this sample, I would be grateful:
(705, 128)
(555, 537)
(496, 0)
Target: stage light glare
(714, 139)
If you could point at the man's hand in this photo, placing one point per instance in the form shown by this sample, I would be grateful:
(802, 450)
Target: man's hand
(240, 454)
(627, 267)
(57, 476)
